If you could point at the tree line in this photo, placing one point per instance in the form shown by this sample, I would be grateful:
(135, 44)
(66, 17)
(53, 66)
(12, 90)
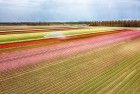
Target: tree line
(117, 23)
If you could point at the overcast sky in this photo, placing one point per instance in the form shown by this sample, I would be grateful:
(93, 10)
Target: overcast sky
(68, 10)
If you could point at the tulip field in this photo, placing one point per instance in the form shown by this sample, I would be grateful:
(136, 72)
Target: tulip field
(69, 60)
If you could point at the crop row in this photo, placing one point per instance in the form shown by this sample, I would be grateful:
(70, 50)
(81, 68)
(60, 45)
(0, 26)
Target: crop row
(107, 70)
(10, 38)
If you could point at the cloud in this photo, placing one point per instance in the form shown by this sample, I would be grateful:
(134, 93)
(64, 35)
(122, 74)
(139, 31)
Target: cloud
(68, 10)
(21, 3)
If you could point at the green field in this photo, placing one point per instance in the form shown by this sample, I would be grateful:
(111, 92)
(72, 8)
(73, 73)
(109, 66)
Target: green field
(10, 38)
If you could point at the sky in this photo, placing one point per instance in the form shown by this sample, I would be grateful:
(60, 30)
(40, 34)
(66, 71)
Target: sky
(68, 10)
